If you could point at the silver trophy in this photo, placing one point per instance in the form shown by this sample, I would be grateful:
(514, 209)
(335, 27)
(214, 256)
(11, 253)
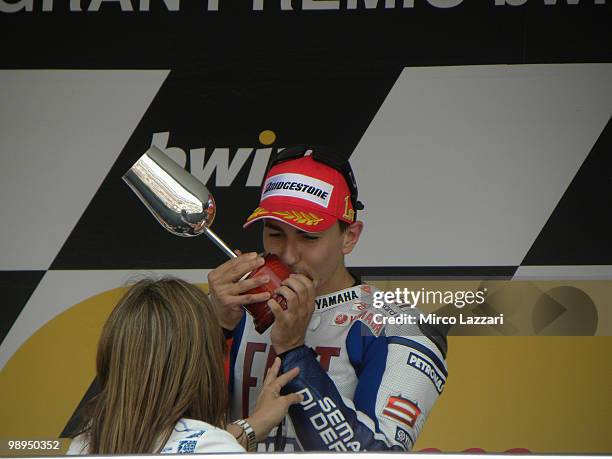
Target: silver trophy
(184, 206)
(180, 202)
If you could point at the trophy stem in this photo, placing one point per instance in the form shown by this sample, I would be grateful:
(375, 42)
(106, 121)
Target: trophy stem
(219, 242)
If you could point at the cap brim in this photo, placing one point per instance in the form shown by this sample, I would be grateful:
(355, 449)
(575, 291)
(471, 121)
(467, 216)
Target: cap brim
(300, 217)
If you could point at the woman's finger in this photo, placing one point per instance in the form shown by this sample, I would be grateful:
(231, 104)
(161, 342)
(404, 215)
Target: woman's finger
(272, 372)
(294, 398)
(288, 376)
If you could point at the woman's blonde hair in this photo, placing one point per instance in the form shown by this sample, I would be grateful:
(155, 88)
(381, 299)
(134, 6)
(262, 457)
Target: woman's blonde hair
(160, 358)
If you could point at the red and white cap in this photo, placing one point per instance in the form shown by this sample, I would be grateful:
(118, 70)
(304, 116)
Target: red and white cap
(305, 194)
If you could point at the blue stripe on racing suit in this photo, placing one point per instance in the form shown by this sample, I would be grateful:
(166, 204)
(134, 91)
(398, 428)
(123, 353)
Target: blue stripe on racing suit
(368, 355)
(324, 420)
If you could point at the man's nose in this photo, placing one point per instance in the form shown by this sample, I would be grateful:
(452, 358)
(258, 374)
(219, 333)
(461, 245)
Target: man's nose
(290, 253)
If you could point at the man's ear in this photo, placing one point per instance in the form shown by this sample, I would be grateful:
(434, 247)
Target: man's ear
(351, 237)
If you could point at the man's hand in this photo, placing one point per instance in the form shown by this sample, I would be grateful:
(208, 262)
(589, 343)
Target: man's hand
(227, 290)
(289, 329)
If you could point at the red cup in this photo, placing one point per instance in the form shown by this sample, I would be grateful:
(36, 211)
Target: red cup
(278, 272)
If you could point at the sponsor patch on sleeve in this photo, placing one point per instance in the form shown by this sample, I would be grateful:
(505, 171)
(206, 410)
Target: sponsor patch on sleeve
(401, 410)
(425, 366)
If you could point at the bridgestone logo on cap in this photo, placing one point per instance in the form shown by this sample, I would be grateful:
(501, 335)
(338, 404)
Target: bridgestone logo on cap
(298, 186)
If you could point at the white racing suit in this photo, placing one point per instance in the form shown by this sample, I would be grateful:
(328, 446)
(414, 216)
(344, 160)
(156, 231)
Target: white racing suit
(366, 385)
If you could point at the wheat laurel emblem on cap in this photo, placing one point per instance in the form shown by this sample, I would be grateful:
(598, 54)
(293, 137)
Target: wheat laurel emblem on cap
(306, 218)
(256, 213)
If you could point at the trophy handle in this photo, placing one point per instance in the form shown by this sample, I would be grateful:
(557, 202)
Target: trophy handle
(219, 242)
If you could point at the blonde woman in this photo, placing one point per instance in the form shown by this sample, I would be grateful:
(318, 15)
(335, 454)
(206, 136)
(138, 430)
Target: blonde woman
(163, 387)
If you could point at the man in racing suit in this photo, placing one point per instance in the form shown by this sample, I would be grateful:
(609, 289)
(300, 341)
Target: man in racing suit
(367, 383)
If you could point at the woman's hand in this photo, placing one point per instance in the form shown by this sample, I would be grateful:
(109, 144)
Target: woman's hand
(271, 407)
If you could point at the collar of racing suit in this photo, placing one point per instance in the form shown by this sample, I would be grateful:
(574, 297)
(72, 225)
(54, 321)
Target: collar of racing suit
(331, 300)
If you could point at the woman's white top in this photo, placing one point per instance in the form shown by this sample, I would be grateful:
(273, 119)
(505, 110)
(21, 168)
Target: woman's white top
(188, 436)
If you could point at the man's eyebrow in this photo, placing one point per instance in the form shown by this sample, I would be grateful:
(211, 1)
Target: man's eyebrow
(300, 232)
(271, 225)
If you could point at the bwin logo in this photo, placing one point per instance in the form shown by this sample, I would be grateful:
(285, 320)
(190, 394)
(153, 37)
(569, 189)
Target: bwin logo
(218, 161)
